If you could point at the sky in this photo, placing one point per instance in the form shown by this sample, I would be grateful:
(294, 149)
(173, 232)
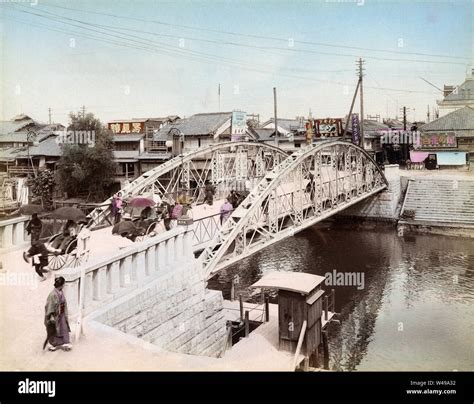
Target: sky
(134, 59)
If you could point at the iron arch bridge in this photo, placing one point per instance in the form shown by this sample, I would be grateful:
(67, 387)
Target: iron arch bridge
(309, 186)
(227, 165)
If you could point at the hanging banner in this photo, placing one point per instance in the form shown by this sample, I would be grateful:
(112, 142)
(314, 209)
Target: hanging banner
(355, 129)
(238, 125)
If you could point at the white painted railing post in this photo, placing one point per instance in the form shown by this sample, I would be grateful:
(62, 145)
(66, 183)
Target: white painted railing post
(170, 252)
(7, 239)
(100, 284)
(179, 247)
(161, 264)
(140, 268)
(113, 277)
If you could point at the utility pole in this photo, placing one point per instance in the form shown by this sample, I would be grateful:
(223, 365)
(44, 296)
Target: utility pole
(49, 113)
(361, 70)
(350, 111)
(277, 140)
(428, 115)
(83, 111)
(219, 96)
(404, 118)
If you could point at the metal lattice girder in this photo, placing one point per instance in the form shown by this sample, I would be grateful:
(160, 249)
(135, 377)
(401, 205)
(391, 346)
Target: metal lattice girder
(280, 204)
(205, 163)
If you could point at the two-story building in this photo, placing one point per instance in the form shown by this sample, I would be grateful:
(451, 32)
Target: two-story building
(136, 151)
(457, 97)
(449, 139)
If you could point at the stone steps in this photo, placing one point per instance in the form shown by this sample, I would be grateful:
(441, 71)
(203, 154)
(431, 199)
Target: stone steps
(437, 201)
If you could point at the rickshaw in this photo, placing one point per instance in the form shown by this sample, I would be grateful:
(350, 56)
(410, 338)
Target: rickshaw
(76, 250)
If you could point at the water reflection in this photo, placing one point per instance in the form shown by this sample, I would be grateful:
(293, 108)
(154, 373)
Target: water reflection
(416, 310)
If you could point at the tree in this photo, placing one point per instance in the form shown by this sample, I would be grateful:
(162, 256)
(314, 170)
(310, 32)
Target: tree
(42, 187)
(87, 167)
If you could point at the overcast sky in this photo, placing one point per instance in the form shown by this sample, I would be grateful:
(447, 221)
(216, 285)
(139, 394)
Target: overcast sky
(126, 59)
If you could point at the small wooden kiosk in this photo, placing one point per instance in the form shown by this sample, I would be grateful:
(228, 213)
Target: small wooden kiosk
(300, 308)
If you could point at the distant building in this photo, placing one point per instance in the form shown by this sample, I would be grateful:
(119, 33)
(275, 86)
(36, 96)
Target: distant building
(199, 130)
(457, 97)
(136, 151)
(27, 145)
(450, 138)
(291, 133)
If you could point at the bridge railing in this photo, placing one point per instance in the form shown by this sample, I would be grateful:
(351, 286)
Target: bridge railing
(13, 233)
(108, 277)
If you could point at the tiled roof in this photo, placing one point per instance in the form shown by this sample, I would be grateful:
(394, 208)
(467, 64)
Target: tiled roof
(287, 124)
(49, 147)
(127, 138)
(461, 119)
(199, 124)
(369, 126)
(154, 156)
(126, 154)
(463, 92)
(14, 126)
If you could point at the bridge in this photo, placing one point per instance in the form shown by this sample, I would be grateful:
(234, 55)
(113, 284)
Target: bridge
(289, 194)
(307, 187)
(227, 165)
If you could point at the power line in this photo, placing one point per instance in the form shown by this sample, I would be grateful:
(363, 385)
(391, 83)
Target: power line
(253, 36)
(173, 52)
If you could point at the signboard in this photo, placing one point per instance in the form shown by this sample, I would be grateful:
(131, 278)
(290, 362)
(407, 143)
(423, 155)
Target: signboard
(441, 140)
(355, 129)
(126, 127)
(329, 127)
(238, 125)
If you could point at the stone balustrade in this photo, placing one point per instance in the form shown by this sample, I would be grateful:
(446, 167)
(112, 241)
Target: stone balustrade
(12, 232)
(111, 277)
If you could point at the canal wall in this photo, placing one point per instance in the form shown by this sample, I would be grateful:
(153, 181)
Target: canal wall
(153, 290)
(384, 206)
(175, 312)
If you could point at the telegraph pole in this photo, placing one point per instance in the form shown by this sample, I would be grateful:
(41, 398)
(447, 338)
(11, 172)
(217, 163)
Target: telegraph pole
(219, 96)
(83, 111)
(361, 75)
(49, 113)
(275, 112)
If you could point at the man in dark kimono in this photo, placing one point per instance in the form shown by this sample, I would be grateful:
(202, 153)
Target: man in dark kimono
(34, 228)
(56, 318)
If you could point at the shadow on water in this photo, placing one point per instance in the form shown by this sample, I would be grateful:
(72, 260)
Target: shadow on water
(417, 290)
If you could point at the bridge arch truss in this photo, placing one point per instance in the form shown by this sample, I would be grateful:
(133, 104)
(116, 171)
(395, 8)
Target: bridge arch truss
(309, 186)
(227, 165)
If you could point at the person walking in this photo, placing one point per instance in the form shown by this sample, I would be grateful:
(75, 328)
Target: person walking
(226, 210)
(209, 191)
(56, 318)
(34, 228)
(39, 253)
(116, 207)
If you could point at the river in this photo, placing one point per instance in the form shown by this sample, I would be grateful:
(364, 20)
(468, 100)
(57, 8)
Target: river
(414, 310)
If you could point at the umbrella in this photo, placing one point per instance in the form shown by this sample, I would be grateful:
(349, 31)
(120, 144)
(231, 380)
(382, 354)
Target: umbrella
(141, 202)
(30, 208)
(69, 213)
(124, 227)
